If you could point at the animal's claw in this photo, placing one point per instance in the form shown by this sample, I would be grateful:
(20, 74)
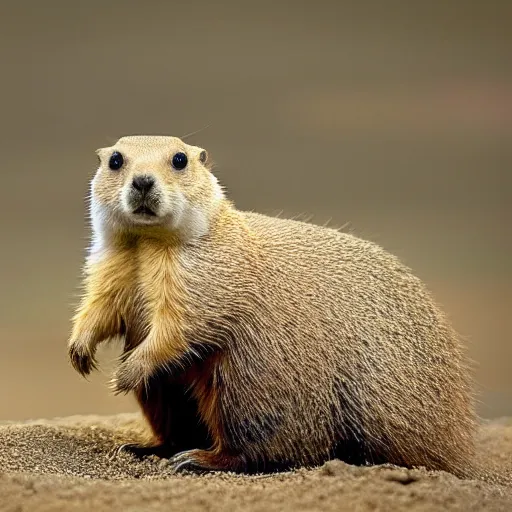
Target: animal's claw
(186, 461)
(83, 362)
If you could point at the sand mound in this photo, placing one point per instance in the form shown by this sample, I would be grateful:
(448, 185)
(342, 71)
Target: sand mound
(65, 464)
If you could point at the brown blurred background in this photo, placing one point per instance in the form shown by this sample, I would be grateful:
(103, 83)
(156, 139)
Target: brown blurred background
(394, 117)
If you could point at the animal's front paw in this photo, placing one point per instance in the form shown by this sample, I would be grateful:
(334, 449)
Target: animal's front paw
(162, 451)
(81, 355)
(134, 371)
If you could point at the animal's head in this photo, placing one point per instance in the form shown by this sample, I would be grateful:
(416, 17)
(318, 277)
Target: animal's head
(157, 181)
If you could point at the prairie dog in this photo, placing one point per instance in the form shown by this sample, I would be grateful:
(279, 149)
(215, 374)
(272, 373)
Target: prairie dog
(256, 343)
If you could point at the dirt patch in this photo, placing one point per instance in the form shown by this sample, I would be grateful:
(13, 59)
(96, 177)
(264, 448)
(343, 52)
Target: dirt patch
(66, 464)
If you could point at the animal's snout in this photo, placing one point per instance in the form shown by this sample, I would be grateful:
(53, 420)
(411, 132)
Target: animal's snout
(143, 183)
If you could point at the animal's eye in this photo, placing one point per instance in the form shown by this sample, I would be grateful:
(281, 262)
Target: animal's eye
(179, 161)
(116, 161)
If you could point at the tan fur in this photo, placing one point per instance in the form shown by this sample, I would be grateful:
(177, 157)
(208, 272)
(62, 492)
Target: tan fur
(289, 343)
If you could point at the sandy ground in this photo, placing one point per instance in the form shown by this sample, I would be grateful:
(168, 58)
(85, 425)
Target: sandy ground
(65, 464)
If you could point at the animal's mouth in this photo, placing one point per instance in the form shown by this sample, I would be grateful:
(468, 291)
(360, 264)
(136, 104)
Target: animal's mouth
(144, 210)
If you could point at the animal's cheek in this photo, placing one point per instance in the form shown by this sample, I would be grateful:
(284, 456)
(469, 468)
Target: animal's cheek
(107, 188)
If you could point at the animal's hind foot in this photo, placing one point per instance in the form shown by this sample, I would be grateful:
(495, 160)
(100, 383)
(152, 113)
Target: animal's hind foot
(205, 461)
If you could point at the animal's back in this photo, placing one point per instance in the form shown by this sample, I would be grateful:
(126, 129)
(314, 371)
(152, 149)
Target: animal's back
(335, 348)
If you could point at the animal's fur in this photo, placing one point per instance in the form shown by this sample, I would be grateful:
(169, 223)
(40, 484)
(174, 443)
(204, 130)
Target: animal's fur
(277, 342)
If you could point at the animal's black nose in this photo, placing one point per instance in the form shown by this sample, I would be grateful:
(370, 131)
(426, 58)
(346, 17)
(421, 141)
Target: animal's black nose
(143, 183)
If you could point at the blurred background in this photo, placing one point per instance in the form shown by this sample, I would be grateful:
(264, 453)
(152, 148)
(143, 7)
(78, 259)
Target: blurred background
(395, 117)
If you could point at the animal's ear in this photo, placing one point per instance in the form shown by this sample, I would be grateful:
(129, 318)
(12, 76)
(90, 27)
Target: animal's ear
(203, 156)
